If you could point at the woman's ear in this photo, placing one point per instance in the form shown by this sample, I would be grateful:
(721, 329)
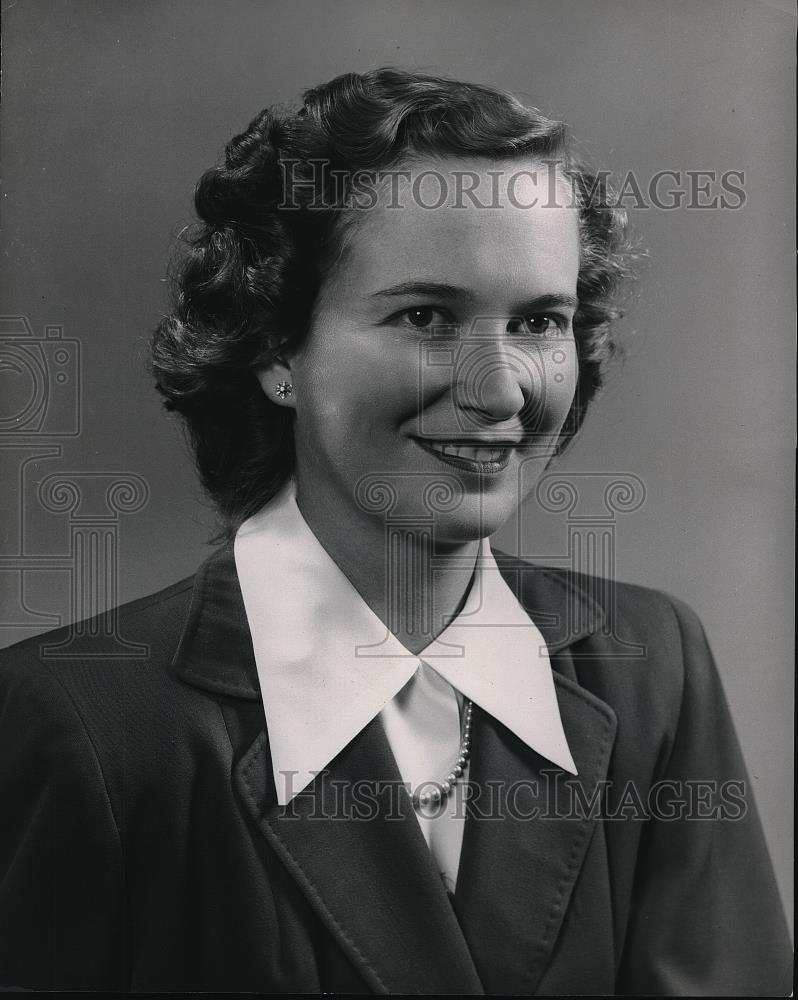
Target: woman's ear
(275, 380)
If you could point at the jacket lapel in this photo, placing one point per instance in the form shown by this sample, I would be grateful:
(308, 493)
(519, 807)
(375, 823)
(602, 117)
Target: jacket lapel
(524, 842)
(522, 852)
(354, 846)
(351, 839)
(371, 879)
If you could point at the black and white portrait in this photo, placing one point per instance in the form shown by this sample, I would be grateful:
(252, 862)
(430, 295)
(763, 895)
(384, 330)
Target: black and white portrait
(396, 432)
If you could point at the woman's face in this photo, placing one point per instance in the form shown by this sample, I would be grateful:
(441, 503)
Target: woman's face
(441, 351)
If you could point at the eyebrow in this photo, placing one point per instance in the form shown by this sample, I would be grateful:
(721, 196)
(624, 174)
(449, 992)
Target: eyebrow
(449, 293)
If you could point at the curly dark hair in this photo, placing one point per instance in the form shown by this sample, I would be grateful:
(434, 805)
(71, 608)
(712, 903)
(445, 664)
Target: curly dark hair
(252, 269)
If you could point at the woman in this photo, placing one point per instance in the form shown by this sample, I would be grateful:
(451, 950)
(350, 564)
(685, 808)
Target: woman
(366, 753)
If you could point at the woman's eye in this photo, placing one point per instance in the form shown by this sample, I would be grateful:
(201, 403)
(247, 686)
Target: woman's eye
(538, 324)
(425, 316)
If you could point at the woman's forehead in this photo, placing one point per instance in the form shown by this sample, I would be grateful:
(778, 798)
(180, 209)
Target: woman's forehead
(479, 224)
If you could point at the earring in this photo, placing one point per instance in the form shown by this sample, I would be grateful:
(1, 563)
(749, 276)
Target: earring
(284, 389)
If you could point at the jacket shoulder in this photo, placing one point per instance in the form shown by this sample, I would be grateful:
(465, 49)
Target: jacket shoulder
(107, 694)
(636, 648)
(146, 618)
(642, 607)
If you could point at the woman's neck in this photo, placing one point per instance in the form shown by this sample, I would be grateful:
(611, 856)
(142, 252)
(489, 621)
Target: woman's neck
(412, 583)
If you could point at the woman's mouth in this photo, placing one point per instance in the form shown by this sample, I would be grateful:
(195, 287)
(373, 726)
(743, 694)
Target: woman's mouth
(482, 458)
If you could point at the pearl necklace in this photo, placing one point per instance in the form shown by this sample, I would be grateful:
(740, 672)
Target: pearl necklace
(431, 798)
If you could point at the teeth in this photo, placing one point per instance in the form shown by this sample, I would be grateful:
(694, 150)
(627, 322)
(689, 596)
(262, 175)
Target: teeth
(470, 452)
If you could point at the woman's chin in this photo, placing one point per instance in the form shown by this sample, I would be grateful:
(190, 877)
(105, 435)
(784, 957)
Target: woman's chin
(466, 525)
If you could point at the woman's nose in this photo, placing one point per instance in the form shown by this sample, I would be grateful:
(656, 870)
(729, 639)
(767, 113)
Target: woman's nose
(495, 380)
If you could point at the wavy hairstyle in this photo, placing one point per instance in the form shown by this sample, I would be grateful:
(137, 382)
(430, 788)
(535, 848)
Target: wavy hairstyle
(271, 223)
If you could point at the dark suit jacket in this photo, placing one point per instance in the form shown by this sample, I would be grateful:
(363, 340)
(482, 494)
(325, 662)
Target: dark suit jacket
(141, 847)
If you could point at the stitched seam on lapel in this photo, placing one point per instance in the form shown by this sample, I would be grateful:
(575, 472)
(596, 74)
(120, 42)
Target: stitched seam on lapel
(308, 886)
(574, 688)
(193, 614)
(661, 771)
(586, 831)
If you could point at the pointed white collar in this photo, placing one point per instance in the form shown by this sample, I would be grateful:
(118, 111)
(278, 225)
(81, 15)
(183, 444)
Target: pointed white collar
(327, 665)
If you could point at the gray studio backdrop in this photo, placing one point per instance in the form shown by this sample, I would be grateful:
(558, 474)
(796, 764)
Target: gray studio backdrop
(111, 111)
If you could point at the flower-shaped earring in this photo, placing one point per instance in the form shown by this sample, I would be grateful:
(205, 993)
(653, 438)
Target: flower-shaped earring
(284, 389)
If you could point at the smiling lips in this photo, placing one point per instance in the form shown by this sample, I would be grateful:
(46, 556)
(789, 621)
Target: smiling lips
(483, 458)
